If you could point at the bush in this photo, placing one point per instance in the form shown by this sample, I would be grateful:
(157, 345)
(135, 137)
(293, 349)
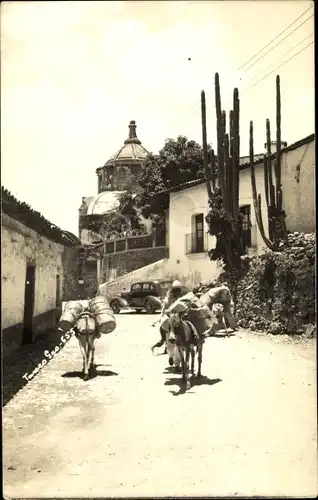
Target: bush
(278, 291)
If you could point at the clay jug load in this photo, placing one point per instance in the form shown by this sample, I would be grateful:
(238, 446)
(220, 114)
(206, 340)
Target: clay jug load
(70, 314)
(103, 314)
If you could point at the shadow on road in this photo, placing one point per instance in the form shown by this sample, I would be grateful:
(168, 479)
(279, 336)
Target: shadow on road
(24, 360)
(97, 373)
(194, 382)
(170, 369)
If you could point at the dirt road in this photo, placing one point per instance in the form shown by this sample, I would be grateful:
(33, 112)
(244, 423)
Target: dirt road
(248, 428)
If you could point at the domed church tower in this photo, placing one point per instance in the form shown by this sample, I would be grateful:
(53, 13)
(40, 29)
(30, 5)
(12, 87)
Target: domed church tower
(118, 175)
(121, 171)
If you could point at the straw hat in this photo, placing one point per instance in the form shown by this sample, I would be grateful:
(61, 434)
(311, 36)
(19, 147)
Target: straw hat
(176, 284)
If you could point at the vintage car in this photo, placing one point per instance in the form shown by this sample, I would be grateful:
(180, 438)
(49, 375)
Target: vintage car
(143, 295)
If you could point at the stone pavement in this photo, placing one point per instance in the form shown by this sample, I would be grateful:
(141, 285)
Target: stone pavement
(247, 428)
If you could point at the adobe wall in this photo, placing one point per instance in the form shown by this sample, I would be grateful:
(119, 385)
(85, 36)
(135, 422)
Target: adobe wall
(22, 246)
(70, 262)
(156, 270)
(116, 265)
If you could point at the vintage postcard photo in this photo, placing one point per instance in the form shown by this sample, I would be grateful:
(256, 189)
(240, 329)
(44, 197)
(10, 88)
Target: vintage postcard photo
(158, 249)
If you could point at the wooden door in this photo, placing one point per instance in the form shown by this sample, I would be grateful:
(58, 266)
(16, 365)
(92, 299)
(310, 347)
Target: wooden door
(58, 291)
(29, 299)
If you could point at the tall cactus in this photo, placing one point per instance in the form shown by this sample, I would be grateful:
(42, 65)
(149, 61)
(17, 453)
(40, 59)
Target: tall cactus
(273, 196)
(205, 148)
(228, 153)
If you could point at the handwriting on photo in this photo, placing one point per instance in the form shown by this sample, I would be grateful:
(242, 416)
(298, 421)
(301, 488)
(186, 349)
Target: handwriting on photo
(65, 338)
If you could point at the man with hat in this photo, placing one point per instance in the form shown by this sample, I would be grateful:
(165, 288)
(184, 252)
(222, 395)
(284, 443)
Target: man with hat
(173, 294)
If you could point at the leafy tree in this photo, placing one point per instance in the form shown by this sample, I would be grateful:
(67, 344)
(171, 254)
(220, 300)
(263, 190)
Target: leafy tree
(150, 183)
(124, 218)
(179, 161)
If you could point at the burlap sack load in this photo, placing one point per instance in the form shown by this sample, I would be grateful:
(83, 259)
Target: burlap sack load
(203, 319)
(220, 294)
(177, 307)
(191, 300)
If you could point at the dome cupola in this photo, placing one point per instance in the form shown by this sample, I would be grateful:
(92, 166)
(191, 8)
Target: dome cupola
(121, 170)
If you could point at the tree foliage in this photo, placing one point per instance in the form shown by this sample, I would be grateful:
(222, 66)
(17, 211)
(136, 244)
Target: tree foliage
(229, 243)
(124, 218)
(179, 161)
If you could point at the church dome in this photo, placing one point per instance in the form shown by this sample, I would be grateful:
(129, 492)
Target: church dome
(103, 203)
(131, 152)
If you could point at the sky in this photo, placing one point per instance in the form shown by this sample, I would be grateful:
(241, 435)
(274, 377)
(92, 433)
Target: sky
(73, 74)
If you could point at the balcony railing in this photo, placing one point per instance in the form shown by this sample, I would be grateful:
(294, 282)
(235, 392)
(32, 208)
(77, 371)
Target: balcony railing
(143, 241)
(134, 243)
(195, 244)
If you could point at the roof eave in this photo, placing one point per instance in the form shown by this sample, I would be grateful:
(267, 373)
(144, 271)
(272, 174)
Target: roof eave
(55, 234)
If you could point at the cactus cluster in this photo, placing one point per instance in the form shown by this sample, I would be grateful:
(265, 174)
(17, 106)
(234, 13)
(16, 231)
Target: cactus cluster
(273, 194)
(226, 168)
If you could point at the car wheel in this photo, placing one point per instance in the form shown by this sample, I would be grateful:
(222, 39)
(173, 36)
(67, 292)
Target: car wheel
(115, 307)
(149, 308)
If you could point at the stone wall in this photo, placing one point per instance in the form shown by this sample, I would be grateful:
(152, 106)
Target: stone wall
(89, 275)
(277, 294)
(70, 262)
(153, 271)
(119, 264)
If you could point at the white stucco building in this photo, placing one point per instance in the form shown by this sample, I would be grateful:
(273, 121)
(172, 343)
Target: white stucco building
(188, 237)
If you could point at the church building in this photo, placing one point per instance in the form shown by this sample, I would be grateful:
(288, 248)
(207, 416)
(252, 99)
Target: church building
(118, 175)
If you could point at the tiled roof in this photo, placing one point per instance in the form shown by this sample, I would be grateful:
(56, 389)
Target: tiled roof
(131, 152)
(127, 153)
(34, 220)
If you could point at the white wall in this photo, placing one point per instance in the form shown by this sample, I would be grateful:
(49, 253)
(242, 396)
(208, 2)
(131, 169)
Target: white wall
(298, 184)
(167, 226)
(20, 245)
(193, 268)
